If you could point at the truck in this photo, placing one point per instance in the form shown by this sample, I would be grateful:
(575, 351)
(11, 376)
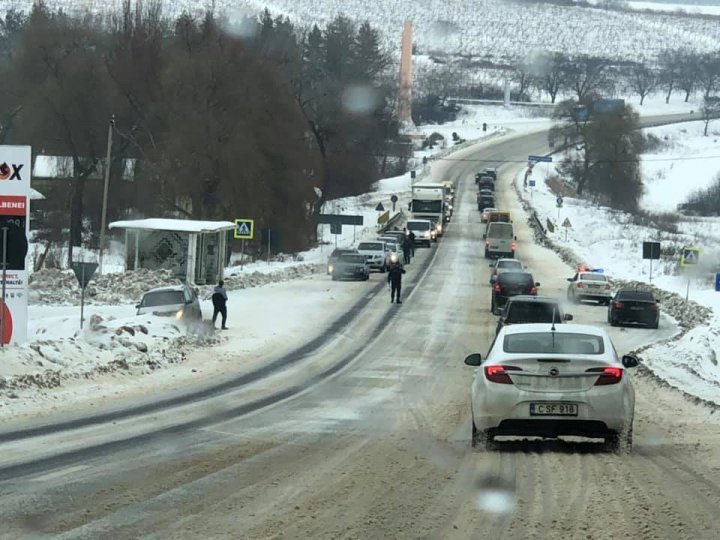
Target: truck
(582, 113)
(428, 202)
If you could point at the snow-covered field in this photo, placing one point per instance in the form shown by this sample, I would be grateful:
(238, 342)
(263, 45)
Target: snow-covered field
(482, 29)
(604, 238)
(687, 161)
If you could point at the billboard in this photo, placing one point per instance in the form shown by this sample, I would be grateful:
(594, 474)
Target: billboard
(15, 169)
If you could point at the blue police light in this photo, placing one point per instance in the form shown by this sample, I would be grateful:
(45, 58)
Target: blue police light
(599, 270)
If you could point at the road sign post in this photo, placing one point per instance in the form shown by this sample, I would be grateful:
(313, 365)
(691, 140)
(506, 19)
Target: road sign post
(4, 279)
(84, 272)
(651, 251)
(567, 226)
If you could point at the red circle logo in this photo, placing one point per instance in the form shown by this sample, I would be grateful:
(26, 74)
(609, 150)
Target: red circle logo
(4, 171)
(7, 324)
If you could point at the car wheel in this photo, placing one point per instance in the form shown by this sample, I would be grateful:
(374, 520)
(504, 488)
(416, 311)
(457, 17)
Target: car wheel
(613, 321)
(482, 439)
(620, 443)
(655, 325)
(334, 278)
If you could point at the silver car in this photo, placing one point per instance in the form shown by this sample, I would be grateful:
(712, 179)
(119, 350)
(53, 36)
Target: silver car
(180, 301)
(589, 286)
(546, 380)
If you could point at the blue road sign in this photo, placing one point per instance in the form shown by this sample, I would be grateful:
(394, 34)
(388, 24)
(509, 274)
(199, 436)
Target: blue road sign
(531, 183)
(717, 282)
(543, 159)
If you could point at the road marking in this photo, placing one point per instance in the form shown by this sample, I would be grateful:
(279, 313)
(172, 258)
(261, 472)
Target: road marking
(59, 473)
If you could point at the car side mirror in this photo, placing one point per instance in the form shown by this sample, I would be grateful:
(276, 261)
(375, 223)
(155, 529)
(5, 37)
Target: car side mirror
(515, 237)
(537, 283)
(570, 279)
(568, 317)
(137, 306)
(484, 236)
(473, 360)
(630, 361)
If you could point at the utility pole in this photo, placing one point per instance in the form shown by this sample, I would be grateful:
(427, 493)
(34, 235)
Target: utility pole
(103, 218)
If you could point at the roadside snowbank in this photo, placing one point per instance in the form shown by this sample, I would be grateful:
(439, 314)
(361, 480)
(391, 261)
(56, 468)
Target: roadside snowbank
(604, 238)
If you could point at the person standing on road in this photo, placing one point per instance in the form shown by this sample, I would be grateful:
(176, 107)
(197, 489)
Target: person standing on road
(219, 300)
(411, 236)
(395, 280)
(407, 249)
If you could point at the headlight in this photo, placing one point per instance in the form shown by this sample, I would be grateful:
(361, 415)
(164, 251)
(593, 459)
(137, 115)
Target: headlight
(393, 258)
(439, 227)
(179, 314)
(330, 268)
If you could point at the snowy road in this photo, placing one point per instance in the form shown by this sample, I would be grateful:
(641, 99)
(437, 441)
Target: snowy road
(371, 439)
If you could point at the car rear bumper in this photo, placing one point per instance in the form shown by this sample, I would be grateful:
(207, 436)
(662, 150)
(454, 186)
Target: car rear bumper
(600, 410)
(635, 317)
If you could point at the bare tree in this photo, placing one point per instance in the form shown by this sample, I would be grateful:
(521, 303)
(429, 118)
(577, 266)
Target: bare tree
(688, 69)
(710, 110)
(642, 79)
(670, 67)
(709, 73)
(548, 74)
(585, 74)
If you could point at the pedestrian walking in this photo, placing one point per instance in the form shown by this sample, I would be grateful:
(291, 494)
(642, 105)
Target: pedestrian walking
(395, 280)
(219, 300)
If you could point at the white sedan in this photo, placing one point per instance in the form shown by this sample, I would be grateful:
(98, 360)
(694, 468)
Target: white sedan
(546, 381)
(589, 286)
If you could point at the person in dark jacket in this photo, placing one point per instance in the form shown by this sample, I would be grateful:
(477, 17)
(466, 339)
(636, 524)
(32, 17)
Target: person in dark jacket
(219, 300)
(411, 236)
(407, 249)
(395, 280)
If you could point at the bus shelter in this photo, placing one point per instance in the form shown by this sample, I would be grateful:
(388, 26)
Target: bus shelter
(196, 251)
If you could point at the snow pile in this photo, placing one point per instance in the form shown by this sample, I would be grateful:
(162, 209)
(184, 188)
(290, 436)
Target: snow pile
(106, 345)
(57, 287)
(50, 286)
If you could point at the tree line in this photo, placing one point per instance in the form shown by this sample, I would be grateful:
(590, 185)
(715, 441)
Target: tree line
(255, 118)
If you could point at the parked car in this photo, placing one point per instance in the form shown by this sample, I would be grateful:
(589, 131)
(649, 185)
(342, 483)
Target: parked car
(375, 253)
(424, 231)
(397, 236)
(547, 380)
(180, 301)
(510, 284)
(500, 240)
(486, 213)
(526, 309)
(634, 306)
(351, 265)
(504, 265)
(589, 286)
(335, 255)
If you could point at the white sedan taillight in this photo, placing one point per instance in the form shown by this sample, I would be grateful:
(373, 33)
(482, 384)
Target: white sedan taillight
(498, 374)
(608, 375)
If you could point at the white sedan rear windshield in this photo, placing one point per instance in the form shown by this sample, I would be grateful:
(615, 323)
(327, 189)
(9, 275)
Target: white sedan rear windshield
(509, 264)
(370, 246)
(553, 343)
(163, 298)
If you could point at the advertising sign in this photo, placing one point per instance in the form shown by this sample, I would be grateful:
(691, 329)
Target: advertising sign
(15, 169)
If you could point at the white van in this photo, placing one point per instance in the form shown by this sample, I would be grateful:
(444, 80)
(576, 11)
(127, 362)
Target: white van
(423, 230)
(500, 240)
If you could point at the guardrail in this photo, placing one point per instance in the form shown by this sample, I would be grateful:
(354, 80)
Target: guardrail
(393, 221)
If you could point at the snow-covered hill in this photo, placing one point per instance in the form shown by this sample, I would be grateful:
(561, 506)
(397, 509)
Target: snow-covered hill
(496, 30)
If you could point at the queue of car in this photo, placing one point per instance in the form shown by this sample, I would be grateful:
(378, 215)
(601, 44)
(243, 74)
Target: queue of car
(543, 377)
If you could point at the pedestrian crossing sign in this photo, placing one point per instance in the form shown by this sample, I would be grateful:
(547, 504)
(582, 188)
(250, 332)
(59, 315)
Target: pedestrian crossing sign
(690, 256)
(244, 229)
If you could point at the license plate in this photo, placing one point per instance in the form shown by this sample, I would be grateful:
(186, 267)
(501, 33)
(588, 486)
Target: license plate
(636, 308)
(553, 409)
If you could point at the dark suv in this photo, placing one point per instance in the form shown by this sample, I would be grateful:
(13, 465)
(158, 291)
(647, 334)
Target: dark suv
(510, 284)
(531, 309)
(633, 306)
